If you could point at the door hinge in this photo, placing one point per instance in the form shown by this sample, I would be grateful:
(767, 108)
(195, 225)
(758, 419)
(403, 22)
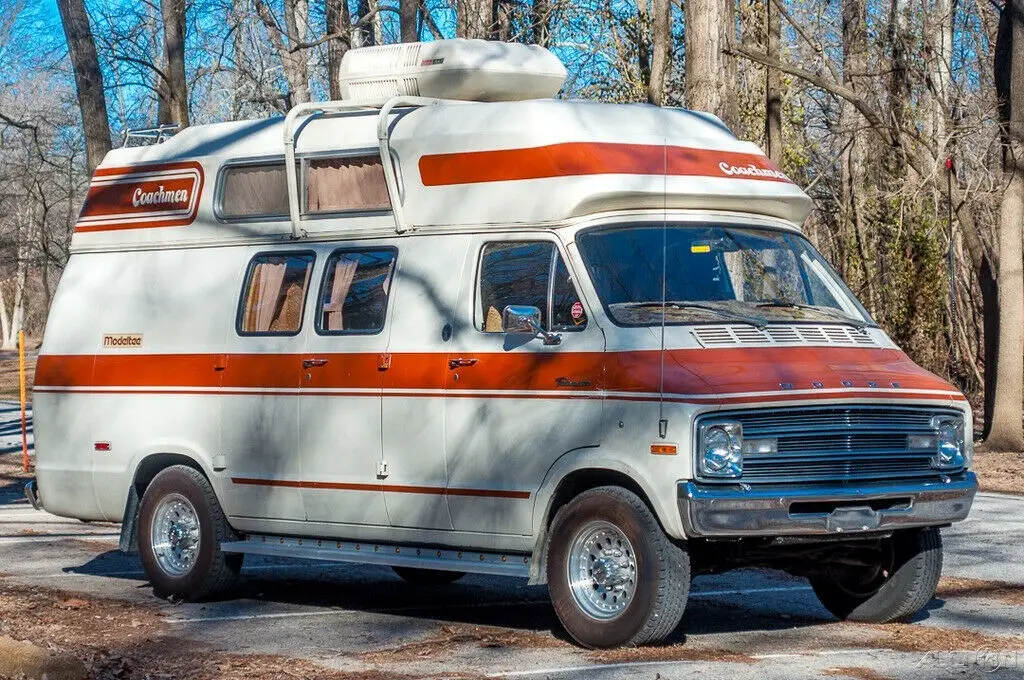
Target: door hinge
(382, 469)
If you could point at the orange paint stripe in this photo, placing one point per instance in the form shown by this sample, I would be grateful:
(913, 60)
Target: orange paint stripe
(698, 372)
(386, 488)
(588, 158)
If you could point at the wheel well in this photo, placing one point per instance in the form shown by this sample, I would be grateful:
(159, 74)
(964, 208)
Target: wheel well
(579, 481)
(152, 465)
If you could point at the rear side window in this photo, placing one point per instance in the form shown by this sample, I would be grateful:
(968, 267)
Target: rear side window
(274, 295)
(354, 296)
(530, 273)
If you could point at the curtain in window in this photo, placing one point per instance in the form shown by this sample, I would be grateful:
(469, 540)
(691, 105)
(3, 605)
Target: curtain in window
(344, 273)
(264, 293)
(256, 190)
(339, 184)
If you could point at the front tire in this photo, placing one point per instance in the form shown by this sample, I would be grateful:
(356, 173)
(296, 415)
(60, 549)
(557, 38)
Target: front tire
(615, 578)
(900, 585)
(181, 528)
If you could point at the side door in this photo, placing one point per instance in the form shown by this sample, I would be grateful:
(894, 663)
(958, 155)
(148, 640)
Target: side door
(515, 402)
(342, 373)
(260, 385)
(425, 294)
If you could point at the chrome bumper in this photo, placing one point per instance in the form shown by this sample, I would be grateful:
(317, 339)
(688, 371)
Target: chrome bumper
(708, 510)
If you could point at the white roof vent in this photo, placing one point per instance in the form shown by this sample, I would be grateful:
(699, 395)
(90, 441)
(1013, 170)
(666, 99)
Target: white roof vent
(471, 70)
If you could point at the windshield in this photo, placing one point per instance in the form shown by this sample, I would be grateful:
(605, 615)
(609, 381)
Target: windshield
(713, 274)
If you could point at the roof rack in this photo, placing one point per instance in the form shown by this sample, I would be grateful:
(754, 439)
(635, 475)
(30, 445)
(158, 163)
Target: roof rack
(150, 135)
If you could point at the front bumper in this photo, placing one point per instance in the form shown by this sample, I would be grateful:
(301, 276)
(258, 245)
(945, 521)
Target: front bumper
(708, 510)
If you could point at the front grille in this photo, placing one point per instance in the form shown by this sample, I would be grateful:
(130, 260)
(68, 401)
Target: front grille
(835, 444)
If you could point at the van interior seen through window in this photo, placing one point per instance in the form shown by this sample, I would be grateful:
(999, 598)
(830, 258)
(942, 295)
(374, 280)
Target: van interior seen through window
(354, 297)
(713, 274)
(528, 273)
(274, 296)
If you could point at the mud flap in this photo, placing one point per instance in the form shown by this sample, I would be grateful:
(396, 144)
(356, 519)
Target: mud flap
(129, 541)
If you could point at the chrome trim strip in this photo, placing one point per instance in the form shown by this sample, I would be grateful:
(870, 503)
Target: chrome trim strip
(734, 511)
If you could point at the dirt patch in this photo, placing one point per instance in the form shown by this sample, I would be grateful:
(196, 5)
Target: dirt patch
(11, 470)
(1000, 471)
(677, 652)
(9, 380)
(118, 640)
(451, 638)
(858, 672)
(909, 637)
(1008, 593)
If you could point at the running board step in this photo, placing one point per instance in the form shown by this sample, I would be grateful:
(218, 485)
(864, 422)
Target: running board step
(498, 564)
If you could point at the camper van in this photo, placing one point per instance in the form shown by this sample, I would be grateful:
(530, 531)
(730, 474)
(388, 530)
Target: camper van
(451, 324)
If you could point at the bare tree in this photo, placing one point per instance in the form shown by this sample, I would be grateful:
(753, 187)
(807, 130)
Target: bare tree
(408, 15)
(174, 99)
(291, 44)
(662, 53)
(89, 80)
(705, 64)
(773, 86)
(339, 26)
(474, 18)
(1006, 432)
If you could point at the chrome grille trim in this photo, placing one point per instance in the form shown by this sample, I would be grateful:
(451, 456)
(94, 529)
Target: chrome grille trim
(836, 444)
(740, 335)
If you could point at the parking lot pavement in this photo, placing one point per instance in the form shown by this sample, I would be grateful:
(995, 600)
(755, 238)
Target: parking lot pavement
(745, 624)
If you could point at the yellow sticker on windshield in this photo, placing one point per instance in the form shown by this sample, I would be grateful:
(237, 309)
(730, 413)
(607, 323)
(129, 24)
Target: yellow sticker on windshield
(700, 248)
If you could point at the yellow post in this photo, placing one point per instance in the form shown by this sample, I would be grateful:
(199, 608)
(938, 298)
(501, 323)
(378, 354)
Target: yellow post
(24, 420)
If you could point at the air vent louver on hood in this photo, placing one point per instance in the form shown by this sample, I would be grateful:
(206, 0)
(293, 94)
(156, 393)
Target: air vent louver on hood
(740, 335)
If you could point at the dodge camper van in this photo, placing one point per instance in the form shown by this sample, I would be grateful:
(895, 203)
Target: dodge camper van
(451, 324)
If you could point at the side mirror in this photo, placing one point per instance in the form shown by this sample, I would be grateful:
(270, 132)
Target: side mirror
(525, 319)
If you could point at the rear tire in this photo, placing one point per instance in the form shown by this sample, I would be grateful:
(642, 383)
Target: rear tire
(898, 587)
(615, 578)
(428, 577)
(181, 528)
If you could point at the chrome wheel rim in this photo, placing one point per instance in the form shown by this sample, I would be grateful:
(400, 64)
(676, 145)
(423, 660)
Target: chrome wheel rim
(602, 570)
(174, 535)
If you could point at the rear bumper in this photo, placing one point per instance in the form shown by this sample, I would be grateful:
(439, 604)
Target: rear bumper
(708, 510)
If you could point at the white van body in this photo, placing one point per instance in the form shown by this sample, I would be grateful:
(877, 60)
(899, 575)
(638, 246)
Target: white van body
(437, 430)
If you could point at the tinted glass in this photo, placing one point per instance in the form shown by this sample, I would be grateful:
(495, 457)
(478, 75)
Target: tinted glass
(514, 273)
(354, 296)
(274, 295)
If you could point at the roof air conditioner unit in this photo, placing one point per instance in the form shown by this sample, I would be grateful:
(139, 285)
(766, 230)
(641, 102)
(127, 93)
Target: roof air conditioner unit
(470, 70)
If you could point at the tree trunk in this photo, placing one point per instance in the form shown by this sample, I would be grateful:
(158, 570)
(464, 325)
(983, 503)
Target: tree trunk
(1007, 433)
(176, 90)
(408, 11)
(773, 86)
(88, 79)
(661, 23)
(705, 64)
(338, 22)
(296, 67)
(474, 18)
(237, 19)
(541, 22)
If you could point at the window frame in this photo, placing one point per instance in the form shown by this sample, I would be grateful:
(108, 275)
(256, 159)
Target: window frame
(556, 252)
(244, 294)
(318, 312)
(301, 170)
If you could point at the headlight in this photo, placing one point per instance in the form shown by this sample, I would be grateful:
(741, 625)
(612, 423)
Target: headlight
(720, 450)
(951, 450)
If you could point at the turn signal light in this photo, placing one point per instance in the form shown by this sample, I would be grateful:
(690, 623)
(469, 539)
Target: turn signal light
(664, 449)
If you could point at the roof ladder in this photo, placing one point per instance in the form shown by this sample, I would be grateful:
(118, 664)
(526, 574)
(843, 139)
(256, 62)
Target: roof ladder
(292, 129)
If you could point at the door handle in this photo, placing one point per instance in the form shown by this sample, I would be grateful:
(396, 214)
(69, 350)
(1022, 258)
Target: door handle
(310, 363)
(456, 363)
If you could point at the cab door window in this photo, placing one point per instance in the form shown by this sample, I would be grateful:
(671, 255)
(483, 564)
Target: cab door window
(527, 273)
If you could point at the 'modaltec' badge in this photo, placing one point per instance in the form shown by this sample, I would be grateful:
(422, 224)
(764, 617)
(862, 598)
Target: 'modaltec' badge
(122, 340)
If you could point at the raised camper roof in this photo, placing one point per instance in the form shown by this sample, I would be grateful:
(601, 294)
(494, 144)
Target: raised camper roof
(447, 165)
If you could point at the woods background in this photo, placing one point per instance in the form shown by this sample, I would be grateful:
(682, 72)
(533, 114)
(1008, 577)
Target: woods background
(861, 102)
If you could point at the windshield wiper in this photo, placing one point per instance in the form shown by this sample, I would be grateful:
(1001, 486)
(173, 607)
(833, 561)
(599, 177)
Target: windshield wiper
(756, 322)
(785, 304)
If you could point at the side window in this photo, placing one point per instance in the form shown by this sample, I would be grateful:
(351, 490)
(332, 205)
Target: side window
(530, 273)
(253, 191)
(274, 294)
(354, 297)
(345, 184)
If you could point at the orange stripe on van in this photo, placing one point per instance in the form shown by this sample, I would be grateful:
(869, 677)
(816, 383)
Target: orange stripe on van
(592, 158)
(743, 373)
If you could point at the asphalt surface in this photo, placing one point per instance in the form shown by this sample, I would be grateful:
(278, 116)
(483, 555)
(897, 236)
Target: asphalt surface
(743, 624)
